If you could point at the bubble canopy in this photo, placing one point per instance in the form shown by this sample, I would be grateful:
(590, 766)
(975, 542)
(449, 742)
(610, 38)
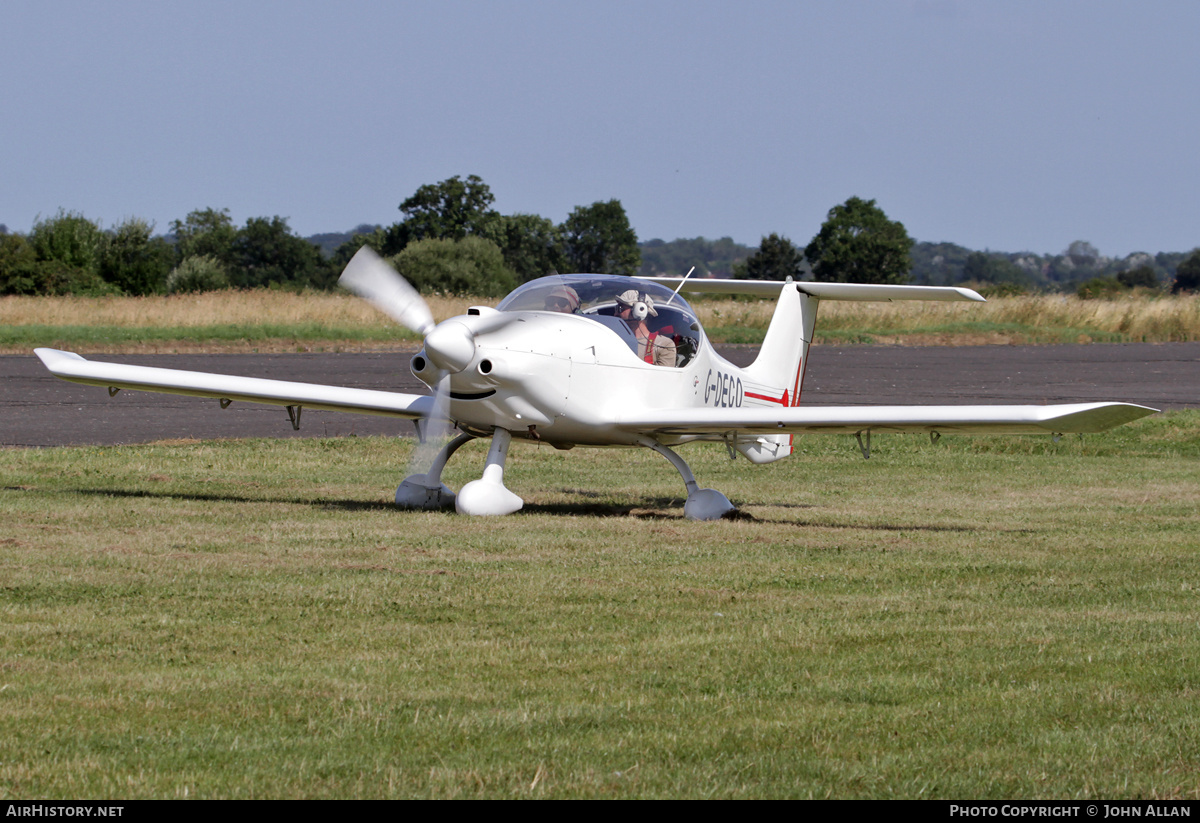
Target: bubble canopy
(596, 293)
(597, 299)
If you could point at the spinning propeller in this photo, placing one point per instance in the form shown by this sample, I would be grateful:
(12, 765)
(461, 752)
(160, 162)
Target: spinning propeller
(371, 278)
(449, 347)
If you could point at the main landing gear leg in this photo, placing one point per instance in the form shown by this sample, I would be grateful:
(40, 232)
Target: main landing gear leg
(426, 491)
(487, 495)
(702, 504)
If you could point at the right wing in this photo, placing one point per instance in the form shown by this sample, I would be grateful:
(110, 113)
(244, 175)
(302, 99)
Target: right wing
(77, 369)
(863, 292)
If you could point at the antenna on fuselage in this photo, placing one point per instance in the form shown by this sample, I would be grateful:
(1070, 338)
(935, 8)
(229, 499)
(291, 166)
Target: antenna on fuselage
(681, 282)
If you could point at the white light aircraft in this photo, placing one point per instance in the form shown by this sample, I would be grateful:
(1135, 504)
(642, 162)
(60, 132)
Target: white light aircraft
(563, 360)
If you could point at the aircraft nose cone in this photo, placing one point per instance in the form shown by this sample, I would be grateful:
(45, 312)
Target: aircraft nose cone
(451, 346)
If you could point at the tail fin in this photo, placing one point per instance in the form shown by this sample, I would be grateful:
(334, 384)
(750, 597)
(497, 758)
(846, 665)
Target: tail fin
(780, 364)
(784, 353)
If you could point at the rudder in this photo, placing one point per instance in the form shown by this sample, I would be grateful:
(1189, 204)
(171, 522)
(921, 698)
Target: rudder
(780, 364)
(783, 356)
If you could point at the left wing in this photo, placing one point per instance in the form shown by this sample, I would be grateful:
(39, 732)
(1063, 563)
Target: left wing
(1062, 419)
(77, 369)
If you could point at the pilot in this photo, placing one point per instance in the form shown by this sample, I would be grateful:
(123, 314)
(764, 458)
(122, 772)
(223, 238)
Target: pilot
(653, 347)
(563, 299)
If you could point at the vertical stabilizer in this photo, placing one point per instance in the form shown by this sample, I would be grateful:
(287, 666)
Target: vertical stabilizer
(780, 365)
(784, 353)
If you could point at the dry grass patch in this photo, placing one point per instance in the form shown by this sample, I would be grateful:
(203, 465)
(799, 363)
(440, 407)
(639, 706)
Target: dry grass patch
(267, 320)
(260, 306)
(1029, 319)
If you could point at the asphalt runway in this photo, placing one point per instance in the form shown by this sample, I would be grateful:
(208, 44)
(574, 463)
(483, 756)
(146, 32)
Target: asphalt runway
(38, 409)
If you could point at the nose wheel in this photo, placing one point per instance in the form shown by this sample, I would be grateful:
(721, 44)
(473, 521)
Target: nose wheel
(488, 496)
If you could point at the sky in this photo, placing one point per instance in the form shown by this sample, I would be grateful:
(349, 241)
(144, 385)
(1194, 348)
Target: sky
(1009, 125)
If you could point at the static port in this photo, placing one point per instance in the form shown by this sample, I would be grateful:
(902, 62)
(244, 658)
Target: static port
(485, 366)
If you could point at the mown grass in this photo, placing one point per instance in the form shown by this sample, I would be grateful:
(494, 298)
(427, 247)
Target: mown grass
(987, 617)
(274, 321)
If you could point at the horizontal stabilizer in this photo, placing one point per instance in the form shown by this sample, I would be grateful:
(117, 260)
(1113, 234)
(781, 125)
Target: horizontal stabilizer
(77, 369)
(1063, 419)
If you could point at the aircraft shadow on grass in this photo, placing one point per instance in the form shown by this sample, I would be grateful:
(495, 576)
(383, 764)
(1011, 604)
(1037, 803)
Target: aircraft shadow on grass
(665, 505)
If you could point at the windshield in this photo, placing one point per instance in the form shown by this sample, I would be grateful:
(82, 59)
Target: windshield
(595, 296)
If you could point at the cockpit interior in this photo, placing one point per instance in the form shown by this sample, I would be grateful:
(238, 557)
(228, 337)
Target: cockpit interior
(595, 296)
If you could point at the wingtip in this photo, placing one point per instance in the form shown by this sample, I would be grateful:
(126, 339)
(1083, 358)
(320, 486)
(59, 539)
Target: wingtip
(48, 355)
(1098, 417)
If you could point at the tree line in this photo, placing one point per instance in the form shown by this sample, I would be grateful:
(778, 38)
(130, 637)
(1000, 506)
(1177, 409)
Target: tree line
(857, 243)
(449, 239)
(70, 254)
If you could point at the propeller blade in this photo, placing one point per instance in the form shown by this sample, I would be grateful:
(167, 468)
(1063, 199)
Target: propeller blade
(371, 278)
(434, 429)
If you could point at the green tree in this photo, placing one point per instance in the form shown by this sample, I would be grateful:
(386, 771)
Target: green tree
(451, 209)
(374, 238)
(598, 239)
(18, 265)
(532, 246)
(69, 248)
(1187, 274)
(1141, 277)
(1083, 254)
(1168, 261)
(977, 267)
(712, 258)
(69, 238)
(859, 244)
(777, 258)
(205, 232)
(196, 274)
(134, 261)
(266, 252)
(57, 277)
(470, 266)
(981, 267)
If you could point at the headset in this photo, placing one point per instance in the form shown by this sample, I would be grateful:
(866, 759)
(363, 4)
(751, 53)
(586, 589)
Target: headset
(640, 308)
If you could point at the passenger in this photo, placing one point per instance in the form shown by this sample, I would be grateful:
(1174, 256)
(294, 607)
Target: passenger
(562, 299)
(653, 347)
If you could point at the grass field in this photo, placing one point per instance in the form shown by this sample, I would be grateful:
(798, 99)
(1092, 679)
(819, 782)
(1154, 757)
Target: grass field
(983, 618)
(281, 321)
